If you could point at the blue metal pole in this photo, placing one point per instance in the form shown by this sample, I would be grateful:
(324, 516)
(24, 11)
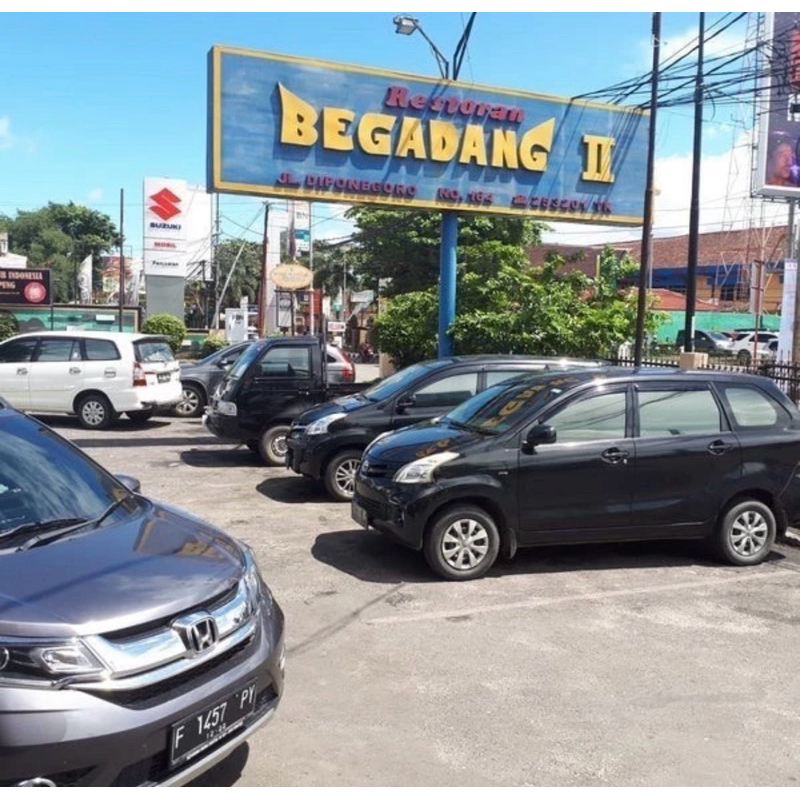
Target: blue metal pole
(447, 281)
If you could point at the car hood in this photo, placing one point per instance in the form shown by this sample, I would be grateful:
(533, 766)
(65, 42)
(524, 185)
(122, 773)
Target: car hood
(418, 441)
(154, 564)
(341, 405)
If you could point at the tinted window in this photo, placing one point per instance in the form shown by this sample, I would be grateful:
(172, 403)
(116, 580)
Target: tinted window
(447, 392)
(244, 361)
(59, 350)
(100, 350)
(754, 409)
(17, 351)
(150, 351)
(591, 419)
(678, 412)
(506, 374)
(286, 362)
(400, 380)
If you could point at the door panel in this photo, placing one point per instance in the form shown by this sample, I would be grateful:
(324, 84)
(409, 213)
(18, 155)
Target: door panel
(686, 458)
(56, 374)
(584, 480)
(435, 397)
(15, 358)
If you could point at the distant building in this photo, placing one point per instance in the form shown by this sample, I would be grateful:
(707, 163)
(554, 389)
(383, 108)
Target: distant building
(9, 260)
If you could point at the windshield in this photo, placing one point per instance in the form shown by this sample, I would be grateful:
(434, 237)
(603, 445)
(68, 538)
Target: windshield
(719, 337)
(244, 361)
(43, 479)
(504, 405)
(400, 380)
(149, 351)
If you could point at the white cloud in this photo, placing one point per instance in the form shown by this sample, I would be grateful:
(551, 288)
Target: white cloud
(95, 195)
(6, 137)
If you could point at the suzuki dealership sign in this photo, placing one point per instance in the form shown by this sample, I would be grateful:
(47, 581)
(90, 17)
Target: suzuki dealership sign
(284, 126)
(165, 216)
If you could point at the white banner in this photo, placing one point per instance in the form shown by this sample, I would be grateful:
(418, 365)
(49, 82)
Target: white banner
(85, 280)
(159, 263)
(787, 311)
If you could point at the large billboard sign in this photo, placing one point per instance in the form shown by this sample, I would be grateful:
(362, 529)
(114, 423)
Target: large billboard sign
(312, 130)
(778, 170)
(25, 287)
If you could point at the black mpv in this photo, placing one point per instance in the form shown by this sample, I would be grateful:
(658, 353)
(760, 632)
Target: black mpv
(611, 454)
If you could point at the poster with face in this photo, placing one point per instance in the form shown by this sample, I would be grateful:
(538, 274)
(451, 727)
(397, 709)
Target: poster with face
(778, 172)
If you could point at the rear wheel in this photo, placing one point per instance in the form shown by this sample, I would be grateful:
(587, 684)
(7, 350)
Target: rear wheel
(191, 402)
(95, 412)
(340, 475)
(746, 533)
(272, 445)
(140, 416)
(462, 544)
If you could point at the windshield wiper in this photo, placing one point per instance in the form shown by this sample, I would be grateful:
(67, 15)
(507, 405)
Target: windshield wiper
(29, 527)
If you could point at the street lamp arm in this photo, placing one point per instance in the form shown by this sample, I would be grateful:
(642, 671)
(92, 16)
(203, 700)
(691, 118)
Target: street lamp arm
(444, 64)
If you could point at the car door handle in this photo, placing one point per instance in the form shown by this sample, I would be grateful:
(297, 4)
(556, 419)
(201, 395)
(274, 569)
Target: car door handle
(74, 370)
(718, 447)
(615, 456)
(110, 373)
(22, 370)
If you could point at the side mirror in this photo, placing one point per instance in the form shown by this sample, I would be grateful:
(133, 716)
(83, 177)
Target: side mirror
(406, 401)
(134, 484)
(539, 434)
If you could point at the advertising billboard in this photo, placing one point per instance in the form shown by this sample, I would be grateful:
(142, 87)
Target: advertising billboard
(25, 287)
(777, 172)
(314, 130)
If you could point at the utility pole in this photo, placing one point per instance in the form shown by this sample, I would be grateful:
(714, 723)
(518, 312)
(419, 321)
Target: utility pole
(263, 297)
(212, 323)
(311, 267)
(645, 268)
(694, 213)
(121, 256)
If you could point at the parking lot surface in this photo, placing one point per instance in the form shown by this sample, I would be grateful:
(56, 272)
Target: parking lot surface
(643, 664)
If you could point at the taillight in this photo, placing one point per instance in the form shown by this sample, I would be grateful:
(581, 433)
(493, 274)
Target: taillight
(139, 378)
(349, 371)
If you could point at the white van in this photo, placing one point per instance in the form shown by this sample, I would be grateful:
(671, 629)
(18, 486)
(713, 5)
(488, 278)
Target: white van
(92, 374)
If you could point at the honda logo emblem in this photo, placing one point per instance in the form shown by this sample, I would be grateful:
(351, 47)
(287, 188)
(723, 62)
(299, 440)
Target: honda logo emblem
(198, 631)
(165, 204)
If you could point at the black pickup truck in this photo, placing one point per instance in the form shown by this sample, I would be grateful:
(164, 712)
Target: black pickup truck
(274, 381)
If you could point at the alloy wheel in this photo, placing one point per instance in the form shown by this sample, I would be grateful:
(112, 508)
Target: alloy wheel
(189, 403)
(345, 476)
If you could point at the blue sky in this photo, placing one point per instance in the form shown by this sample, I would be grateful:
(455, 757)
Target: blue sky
(91, 103)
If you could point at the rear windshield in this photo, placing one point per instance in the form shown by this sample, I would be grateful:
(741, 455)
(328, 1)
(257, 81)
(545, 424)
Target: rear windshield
(148, 351)
(397, 382)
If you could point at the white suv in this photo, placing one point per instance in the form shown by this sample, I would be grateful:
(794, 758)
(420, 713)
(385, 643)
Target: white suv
(94, 375)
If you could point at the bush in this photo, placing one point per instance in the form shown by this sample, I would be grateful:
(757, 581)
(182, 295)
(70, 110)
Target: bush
(211, 344)
(168, 326)
(8, 326)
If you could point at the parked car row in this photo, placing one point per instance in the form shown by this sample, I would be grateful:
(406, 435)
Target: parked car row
(741, 345)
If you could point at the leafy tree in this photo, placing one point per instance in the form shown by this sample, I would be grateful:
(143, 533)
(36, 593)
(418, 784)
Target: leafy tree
(404, 245)
(246, 277)
(58, 237)
(8, 326)
(168, 326)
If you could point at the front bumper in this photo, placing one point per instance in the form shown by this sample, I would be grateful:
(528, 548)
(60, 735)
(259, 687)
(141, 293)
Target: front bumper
(302, 456)
(91, 738)
(223, 426)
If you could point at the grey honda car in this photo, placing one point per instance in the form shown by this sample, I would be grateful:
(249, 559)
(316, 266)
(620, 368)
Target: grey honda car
(138, 645)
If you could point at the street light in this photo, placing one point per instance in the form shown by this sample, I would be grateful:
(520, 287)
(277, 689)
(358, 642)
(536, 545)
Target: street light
(407, 25)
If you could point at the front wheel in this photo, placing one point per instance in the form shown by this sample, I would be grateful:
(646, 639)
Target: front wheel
(272, 445)
(340, 475)
(462, 544)
(95, 412)
(746, 533)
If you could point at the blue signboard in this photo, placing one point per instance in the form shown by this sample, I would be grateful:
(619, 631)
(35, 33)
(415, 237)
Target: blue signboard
(314, 130)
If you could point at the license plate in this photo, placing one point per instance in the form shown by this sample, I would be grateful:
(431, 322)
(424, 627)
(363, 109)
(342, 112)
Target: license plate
(201, 730)
(359, 514)
(164, 377)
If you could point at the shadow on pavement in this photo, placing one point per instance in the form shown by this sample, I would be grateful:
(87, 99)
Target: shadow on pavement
(235, 457)
(293, 488)
(372, 557)
(121, 424)
(228, 771)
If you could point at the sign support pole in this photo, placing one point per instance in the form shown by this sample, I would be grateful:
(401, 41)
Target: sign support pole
(447, 281)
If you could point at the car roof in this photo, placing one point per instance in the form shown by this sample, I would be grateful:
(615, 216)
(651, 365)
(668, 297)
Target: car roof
(116, 336)
(503, 359)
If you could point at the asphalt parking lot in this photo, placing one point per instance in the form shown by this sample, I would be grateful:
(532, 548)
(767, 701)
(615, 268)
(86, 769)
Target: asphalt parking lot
(640, 665)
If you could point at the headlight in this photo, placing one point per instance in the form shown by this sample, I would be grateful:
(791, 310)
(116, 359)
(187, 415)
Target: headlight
(323, 423)
(29, 659)
(422, 470)
(226, 408)
(257, 590)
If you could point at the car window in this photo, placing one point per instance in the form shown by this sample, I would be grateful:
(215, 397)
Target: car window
(18, 351)
(766, 337)
(330, 359)
(286, 362)
(100, 350)
(150, 351)
(59, 350)
(397, 382)
(590, 419)
(497, 376)
(450, 391)
(752, 408)
(678, 412)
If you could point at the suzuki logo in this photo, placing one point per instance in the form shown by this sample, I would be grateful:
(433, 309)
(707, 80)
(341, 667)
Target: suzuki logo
(198, 631)
(165, 204)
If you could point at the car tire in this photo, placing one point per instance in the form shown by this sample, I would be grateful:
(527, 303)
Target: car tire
(95, 412)
(191, 403)
(340, 475)
(140, 417)
(272, 445)
(462, 543)
(746, 533)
